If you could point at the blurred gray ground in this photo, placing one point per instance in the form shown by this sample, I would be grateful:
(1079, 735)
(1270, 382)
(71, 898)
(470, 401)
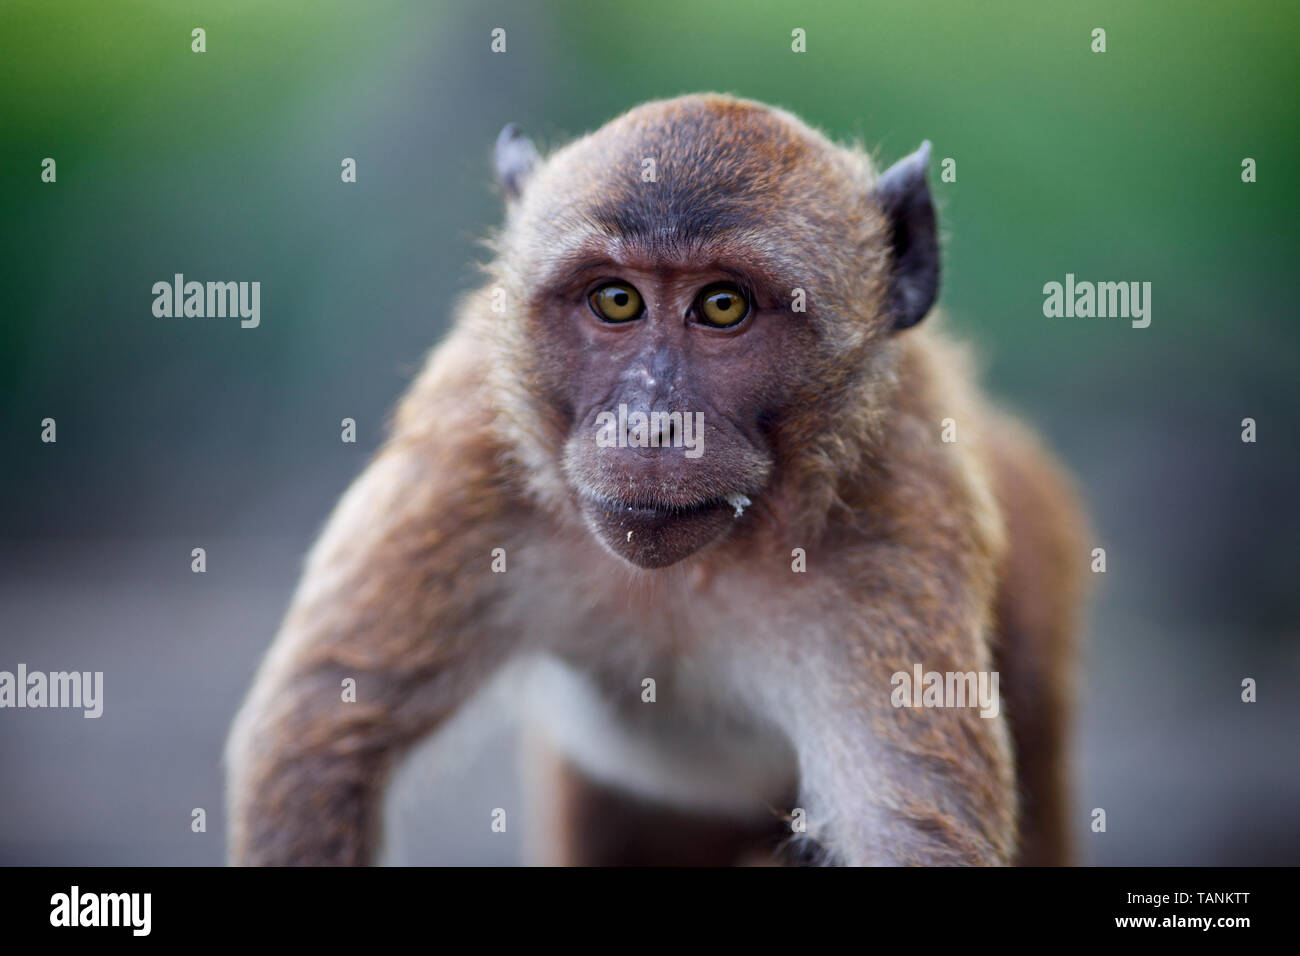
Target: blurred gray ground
(178, 650)
(1186, 773)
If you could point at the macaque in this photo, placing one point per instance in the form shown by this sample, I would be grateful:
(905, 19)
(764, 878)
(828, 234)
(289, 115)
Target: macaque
(732, 488)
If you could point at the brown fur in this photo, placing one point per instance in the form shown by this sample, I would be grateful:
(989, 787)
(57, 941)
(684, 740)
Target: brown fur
(960, 556)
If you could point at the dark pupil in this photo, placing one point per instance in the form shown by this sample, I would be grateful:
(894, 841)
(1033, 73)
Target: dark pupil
(723, 302)
(620, 299)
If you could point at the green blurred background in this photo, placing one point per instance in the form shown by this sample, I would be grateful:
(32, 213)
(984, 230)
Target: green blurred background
(179, 433)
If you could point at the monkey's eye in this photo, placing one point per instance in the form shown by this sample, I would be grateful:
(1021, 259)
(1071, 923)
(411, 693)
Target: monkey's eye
(723, 305)
(616, 302)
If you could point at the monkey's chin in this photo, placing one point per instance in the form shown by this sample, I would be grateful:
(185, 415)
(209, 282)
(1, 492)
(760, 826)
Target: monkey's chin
(651, 537)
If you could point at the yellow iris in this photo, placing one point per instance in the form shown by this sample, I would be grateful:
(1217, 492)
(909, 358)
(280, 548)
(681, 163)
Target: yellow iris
(723, 306)
(616, 302)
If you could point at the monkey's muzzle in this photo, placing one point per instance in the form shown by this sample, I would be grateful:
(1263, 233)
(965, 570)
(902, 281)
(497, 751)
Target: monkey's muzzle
(654, 537)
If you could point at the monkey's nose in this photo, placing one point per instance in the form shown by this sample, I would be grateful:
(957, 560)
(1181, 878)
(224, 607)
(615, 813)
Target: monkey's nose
(666, 434)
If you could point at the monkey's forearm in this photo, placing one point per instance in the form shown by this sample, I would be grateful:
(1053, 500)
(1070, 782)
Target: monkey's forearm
(379, 647)
(306, 776)
(890, 782)
(929, 788)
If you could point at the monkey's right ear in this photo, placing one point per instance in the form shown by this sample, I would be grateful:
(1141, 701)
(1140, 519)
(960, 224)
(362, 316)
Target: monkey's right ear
(516, 158)
(904, 197)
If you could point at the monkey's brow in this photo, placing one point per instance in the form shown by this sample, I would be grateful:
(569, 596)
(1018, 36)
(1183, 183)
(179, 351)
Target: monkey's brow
(569, 268)
(746, 263)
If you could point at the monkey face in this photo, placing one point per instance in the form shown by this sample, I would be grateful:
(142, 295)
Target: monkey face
(703, 279)
(670, 372)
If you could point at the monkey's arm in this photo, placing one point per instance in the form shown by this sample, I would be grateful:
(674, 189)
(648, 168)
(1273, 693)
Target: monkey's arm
(928, 787)
(910, 785)
(398, 597)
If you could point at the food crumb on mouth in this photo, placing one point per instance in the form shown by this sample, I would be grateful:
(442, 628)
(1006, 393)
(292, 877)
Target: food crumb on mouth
(739, 502)
(629, 536)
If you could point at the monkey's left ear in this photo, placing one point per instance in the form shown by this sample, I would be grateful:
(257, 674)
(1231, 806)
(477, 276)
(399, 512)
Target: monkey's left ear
(516, 158)
(904, 197)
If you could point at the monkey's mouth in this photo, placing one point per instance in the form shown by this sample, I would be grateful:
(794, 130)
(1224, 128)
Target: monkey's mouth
(654, 536)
